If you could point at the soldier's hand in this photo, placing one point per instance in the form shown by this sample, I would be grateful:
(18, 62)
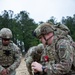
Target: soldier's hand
(4, 72)
(37, 67)
(7, 71)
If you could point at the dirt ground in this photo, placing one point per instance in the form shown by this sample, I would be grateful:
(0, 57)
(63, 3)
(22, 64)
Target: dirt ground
(22, 70)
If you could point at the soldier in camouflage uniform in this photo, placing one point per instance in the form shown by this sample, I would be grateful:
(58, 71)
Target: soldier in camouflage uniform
(10, 56)
(57, 57)
(34, 54)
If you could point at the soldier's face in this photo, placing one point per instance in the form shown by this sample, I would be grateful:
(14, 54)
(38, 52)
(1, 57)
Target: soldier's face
(5, 42)
(47, 37)
(41, 38)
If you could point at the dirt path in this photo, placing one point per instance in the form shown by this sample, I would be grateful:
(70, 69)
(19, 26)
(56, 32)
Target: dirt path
(22, 70)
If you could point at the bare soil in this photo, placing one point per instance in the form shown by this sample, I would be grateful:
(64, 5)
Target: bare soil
(22, 70)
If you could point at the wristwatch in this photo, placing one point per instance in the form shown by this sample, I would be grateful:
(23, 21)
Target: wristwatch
(43, 68)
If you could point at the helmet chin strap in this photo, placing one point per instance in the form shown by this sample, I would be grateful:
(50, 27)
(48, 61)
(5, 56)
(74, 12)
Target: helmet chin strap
(47, 39)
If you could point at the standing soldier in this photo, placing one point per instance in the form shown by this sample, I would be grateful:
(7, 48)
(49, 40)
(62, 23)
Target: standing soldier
(10, 56)
(57, 57)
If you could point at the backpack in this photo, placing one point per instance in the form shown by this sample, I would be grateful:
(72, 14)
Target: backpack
(61, 30)
(64, 31)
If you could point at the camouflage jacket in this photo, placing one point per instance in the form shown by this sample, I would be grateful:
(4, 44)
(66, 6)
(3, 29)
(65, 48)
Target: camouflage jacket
(10, 57)
(34, 54)
(59, 57)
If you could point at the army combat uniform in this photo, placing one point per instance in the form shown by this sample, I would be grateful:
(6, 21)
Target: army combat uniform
(33, 54)
(9, 57)
(58, 56)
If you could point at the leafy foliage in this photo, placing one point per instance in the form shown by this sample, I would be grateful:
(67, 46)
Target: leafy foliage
(22, 26)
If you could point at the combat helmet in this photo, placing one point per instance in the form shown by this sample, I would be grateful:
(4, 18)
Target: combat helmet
(40, 46)
(6, 33)
(43, 29)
